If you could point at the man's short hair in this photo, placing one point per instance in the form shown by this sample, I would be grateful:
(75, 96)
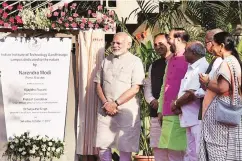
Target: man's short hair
(127, 36)
(211, 33)
(197, 47)
(162, 34)
(181, 33)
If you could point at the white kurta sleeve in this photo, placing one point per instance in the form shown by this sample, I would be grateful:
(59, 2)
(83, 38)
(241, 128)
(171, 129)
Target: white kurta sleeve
(193, 84)
(148, 87)
(138, 74)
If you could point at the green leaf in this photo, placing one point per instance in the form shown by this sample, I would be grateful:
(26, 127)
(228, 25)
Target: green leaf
(239, 48)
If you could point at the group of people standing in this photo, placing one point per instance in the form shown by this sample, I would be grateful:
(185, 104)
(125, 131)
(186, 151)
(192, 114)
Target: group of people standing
(182, 90)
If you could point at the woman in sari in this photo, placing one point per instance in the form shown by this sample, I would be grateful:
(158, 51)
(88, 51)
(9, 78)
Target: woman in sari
(219, 141)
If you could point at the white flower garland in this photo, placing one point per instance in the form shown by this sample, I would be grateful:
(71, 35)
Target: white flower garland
(25, 147)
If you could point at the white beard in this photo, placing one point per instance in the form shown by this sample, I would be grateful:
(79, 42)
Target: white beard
(117, 53)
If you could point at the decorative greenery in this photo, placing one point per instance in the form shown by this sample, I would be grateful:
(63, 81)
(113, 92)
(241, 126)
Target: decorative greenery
(207, 14)
(25, 147)
(147, 54)
(144, 142)
(239, 49)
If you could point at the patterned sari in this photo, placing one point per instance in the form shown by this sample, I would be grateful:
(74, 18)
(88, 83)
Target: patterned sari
(221, 142)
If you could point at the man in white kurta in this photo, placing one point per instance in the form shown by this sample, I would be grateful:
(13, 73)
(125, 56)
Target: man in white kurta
(118, 82)
(195, 56)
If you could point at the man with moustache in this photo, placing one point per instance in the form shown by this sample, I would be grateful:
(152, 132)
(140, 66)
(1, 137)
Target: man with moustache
(117, 83)
(152, 89)
(173, 137)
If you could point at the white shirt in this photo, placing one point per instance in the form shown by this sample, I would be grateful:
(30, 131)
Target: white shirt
(191, 82)
(147, 87)
(200, 92)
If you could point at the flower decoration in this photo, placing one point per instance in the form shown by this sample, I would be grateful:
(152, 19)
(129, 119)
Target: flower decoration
(141, 36)
(9, 21)
(138, 36)
(26, 147)
(35, 19)
(65, 17)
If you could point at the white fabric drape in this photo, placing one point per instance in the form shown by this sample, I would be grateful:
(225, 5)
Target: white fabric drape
(3, 133)
(91, 54)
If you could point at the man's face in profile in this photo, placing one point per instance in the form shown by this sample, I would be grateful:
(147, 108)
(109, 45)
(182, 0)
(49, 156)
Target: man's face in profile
(171, 41)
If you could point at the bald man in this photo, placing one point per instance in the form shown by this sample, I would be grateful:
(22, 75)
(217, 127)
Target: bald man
(117, 83)
(189, 105)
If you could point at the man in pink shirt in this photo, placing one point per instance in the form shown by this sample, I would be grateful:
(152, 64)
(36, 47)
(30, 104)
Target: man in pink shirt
(173, 137)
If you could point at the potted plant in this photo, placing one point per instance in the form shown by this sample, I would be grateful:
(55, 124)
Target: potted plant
(147, 54)
(145, 151)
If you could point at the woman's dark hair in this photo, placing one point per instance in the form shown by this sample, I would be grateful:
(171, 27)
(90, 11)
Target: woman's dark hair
(229, 44)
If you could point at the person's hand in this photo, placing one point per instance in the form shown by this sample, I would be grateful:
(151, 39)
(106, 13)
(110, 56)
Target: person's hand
(173, 106)
(191, 94)
(178, 111)
(154, 104)
(114, 112)
(160, 118)
(203, 78)
(110, 108)
(175, 109)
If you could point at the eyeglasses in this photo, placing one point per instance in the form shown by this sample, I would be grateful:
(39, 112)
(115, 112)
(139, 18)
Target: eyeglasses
(207, 42)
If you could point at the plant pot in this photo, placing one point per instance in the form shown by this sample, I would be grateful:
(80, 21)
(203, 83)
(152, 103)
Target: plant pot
(144, 158)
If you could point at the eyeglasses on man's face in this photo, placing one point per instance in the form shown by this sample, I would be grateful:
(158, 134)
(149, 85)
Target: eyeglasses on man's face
(206, 42)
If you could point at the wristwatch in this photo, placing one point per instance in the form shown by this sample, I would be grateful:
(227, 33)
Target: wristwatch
(117, 103)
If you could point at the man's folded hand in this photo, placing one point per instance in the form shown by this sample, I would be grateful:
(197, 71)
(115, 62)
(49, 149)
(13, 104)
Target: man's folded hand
(111, 108)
